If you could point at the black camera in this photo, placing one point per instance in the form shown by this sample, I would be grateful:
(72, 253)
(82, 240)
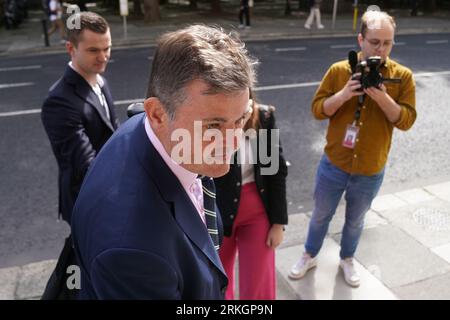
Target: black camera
(369, 69)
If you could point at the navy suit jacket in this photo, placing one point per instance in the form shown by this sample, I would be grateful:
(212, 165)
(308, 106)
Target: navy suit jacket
(136, 233)
(77, 126)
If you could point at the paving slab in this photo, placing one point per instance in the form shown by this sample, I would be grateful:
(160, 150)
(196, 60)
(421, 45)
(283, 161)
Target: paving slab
(295, 230)
(8, 282)
(326, 281)
(428, 222)
(415, 196)
(440, 189)
(396, 258)
(435, 288)
(33, 278)
(443, 251)
(387, 202)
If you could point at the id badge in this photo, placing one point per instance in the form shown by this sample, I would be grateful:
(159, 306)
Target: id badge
(350, 136)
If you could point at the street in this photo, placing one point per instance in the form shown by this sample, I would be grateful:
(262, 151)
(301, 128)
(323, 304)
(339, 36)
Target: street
(288, 76)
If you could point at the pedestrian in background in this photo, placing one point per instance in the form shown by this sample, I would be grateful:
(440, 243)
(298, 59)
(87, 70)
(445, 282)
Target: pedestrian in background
(55, 13)
(254, 211)
(314, 12)
(244, 11)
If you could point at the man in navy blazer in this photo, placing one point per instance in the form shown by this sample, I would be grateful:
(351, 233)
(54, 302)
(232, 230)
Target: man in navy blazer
(78, 114)
(139, 225)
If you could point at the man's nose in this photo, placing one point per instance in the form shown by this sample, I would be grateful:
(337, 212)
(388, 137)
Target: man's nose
(104, 57)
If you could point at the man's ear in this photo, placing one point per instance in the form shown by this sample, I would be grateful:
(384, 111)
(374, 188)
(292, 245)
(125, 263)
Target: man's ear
(69, 47)
(360, 40)
(156, 113)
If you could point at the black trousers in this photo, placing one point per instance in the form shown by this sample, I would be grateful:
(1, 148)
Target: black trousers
(244, 12)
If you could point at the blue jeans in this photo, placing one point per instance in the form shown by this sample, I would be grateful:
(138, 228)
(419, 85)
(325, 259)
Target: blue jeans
(331, 182)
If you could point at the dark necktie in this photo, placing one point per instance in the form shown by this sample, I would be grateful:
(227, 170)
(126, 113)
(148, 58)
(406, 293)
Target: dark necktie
(209, 204)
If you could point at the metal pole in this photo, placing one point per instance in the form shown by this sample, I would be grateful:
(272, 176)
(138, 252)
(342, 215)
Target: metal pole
(334, 14)
(355, 14)
(44, 27)
(125, 27)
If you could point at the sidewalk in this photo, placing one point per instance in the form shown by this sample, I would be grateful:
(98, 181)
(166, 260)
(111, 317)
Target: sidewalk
(268, 22)
(404, 253)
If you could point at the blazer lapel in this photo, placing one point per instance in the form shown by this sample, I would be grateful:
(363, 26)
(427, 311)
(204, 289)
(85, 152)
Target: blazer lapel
(84, 91)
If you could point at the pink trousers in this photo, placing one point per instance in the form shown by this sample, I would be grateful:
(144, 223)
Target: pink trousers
(257, 279)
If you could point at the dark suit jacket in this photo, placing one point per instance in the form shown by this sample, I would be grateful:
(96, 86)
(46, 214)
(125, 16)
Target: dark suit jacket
(271, 188)
(137, 234)
(77, 126)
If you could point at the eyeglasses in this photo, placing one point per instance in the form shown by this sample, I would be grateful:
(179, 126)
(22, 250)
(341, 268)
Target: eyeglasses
(375, 43)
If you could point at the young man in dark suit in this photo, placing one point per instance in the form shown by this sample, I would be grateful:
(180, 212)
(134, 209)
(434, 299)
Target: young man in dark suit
(78, 114)
(141, 226)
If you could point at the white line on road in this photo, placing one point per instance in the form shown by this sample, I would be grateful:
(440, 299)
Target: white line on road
(19, 113)
(342, 46)
(34, 111)
(21, 68)
(130, 101)
(436, 41)
(264, 88)
(431, 74)
(288, 86)
(399, 44)
(13, 85)
(290, 49)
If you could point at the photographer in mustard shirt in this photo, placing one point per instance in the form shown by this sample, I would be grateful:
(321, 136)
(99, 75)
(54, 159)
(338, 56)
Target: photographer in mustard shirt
(361, 121)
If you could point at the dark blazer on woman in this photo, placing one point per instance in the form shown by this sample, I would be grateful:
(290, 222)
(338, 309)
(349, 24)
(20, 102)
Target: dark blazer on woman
(271, 188)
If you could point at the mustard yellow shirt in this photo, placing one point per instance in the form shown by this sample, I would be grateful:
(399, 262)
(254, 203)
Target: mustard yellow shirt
(375, 131)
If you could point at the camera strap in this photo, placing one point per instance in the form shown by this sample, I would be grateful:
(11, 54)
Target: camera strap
(358, 109)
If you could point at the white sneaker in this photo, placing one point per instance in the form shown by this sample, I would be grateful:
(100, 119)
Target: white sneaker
(241, 26)
(299, 269)
(351, 276)
(307, 26)
(320, 26)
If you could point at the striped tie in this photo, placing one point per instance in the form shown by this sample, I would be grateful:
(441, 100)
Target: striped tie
(209, 204)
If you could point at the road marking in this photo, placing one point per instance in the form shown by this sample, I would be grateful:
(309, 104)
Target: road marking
(19, 113)
(288, 86)
(14, 85)
(342, 46)
(264, 88)
(149, 58)
(21, 68)
(399, 44)
(431, 74)
(436, 41)
(290, 49)
(130, 101)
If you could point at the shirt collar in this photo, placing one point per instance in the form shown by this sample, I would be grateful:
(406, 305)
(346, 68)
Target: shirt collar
(100, 81)
(186, 177)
